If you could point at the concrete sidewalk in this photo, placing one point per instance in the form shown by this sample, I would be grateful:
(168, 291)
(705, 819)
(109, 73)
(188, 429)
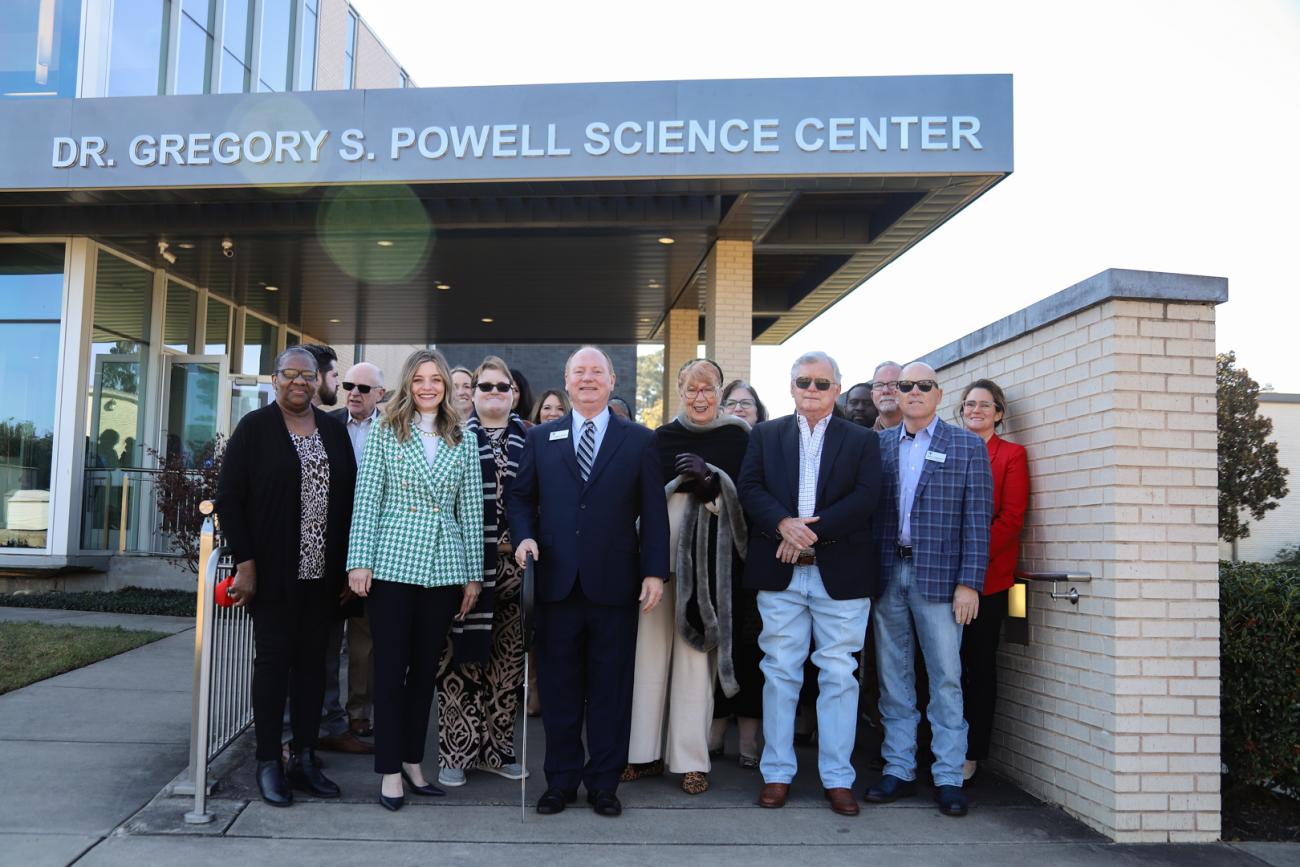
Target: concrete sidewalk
(85, 757)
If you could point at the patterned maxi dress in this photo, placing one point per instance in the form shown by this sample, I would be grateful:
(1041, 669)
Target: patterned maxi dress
(478, 703)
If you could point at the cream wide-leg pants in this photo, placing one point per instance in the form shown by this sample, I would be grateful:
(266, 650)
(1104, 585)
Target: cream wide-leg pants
(672, 695)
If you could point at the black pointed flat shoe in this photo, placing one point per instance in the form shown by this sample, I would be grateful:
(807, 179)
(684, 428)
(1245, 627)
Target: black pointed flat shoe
(428, 789)
(393, 804)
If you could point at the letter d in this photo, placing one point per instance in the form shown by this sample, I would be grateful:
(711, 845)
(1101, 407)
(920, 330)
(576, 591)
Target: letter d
(65, 152)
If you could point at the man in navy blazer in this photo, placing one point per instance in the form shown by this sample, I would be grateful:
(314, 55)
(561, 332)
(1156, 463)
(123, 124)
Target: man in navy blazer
(810, 484)
(936, 510)
(584, 481)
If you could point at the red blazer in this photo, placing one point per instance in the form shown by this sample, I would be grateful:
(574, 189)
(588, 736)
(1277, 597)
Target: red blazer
(1010, 500)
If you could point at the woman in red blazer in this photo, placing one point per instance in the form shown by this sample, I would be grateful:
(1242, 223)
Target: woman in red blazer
(981, 410)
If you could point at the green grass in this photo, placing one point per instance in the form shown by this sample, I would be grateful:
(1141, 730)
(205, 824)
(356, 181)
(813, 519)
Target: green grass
(34, 651)
(129, 600)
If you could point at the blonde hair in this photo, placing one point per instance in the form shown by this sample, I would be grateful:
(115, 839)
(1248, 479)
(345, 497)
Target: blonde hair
(689, 369)
(399, 412)
(492, 362)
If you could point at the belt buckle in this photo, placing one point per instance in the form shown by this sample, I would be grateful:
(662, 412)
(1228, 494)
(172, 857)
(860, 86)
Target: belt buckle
(807, 558)
(904, 552)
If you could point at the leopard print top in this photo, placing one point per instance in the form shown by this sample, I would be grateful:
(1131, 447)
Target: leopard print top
(315, 505)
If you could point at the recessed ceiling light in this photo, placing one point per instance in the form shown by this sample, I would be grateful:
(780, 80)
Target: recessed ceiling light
(654, 284)
(272, 288)
(186, 245)
(486, 320)
(645, 319)
(442, 286)
(384, 243)
(335, 321)
(667, 240)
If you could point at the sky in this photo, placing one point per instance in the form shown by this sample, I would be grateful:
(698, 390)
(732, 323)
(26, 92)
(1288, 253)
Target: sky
(1149, 134)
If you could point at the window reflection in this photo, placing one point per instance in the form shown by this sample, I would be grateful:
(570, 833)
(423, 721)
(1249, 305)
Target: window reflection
(217, 333)
(38, 47)
(307, 55)
(236, 47)
(135, 65)
(350, 53)
(194, 54)
(259, 347)
(178, 321)
(273, 58)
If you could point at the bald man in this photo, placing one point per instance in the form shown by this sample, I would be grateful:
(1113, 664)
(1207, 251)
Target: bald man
(936, 509)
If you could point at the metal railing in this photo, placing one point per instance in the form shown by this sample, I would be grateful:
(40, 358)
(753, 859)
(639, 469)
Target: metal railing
(223, 671)
(1058, 578)
(119, 512)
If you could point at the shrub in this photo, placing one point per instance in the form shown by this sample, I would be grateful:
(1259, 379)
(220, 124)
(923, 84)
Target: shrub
(128, 600)
(1260, 668)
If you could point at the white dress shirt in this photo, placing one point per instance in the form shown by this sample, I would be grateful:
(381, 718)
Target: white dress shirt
(811, 441)
(601, 420)
(911, 460)
(358, 431)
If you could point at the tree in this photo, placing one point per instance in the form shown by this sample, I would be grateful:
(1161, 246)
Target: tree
(649, 388)
(1250, 478)
(183, 483)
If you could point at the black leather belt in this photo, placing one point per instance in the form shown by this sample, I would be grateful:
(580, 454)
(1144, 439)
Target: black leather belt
(807, 558)
(904, 552)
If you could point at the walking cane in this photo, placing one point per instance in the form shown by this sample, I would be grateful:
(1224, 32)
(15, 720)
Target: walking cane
(526, 627)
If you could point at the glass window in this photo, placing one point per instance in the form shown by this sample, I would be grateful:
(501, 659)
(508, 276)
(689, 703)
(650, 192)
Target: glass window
(292, 338)
(194, 55)
(217, 339)
(259, 347)
(29, 365)
(236, 47)
(277, 40)
(135, 66)
(178, 322)
(307, 55)
(350, 53)
(38, 47)
(118, 362)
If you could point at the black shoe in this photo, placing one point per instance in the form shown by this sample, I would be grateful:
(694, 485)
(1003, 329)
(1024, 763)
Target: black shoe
(271, 783)
(553, 801)
(305, 774)
(428, 789)
(393, 804)
(890, 789)
(605, 803)
(952, 801)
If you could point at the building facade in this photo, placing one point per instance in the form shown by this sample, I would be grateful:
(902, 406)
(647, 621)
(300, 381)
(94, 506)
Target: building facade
(1280, 527)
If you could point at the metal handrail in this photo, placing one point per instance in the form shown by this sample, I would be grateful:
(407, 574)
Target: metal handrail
(1058, 578)
(222, 706)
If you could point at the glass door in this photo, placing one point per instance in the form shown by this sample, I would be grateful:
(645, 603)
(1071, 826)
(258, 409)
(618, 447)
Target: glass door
(193, 411)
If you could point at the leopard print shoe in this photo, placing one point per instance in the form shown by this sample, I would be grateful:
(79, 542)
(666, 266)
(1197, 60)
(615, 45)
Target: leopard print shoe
(695, 783)
(647, 769)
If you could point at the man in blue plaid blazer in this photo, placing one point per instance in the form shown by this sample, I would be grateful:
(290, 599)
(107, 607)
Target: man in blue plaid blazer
(935, 512)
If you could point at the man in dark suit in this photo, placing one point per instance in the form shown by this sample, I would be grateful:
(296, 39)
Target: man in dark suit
(934, 532)
(810, 485)
(584, 480)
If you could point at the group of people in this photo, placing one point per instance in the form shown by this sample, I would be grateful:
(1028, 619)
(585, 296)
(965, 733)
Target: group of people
(686, 577)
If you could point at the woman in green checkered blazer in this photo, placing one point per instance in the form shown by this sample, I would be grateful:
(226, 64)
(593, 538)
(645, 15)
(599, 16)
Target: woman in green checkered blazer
(416, 551)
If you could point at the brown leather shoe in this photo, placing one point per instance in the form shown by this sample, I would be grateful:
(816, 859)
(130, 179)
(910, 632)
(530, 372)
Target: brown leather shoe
(345, 743)
(361, 727)
(842, 801)
(774, 795)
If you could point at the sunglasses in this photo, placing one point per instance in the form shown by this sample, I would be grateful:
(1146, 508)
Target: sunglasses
(487, 387)
(808, 382)
(364, 389)
(905, 385)
(292, 373)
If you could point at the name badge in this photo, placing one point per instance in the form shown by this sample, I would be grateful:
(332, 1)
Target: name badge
(937, 457)
(559, 435)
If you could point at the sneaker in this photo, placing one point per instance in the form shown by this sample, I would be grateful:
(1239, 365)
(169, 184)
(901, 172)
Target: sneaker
(512, 771)
(451, 777)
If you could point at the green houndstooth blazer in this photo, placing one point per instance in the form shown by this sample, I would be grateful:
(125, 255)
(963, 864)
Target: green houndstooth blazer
(413, 523)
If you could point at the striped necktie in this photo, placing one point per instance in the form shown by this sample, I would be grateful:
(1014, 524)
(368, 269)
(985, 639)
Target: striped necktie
(587, 448)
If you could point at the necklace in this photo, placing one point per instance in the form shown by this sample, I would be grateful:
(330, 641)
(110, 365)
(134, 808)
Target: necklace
(431, 434)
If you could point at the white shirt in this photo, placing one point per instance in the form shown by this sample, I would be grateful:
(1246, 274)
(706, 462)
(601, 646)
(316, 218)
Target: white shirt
(358, 431)
(424, 425)
(601, 420)
(911, 460)
(810, 462)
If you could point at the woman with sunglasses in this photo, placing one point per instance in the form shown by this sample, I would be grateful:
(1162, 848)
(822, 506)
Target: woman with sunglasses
(416, 554)
(740, 399)
(479, 703)
(553, 404)
(981, 410)
(284, 496)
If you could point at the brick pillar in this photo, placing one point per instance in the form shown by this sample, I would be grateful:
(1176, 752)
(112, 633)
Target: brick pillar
(681, 342)
(1112, 711)
(729, 307)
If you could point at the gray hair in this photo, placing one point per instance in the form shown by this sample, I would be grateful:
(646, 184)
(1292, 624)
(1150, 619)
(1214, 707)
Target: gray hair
(296, 349)
(379, 373)
(815, 357)
(882, 365)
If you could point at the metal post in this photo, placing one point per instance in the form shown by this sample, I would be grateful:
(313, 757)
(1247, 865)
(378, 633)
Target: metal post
(202, 670)
(126, 503)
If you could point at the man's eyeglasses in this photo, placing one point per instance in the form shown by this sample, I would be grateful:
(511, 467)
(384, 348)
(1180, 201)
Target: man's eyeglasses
(906, 385)
(292, 373)
(883, 386)
(704, 390)
(487, 387)
(361, 387)
(806, 382)
(743, 403)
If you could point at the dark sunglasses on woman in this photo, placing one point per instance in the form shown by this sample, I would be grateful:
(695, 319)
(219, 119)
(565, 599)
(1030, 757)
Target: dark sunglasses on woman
(905, 385)
(807, 381)
(486, 387)
(364, 389)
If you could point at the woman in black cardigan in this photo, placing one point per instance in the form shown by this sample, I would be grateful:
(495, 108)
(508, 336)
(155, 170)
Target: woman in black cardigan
(284, 499)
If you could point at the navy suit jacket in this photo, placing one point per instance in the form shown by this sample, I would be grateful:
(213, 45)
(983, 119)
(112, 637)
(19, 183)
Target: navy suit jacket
(848, 492)
(586, 533)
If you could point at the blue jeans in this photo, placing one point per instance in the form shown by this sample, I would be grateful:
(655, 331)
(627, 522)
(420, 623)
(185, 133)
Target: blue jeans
(900, 609)
(838, 628)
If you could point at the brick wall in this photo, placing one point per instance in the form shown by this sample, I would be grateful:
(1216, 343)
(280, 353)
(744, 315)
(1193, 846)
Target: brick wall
(1112, 711)
(681, 343)
(729, 306)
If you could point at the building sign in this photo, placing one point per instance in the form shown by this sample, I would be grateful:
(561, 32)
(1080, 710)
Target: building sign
(903, 125)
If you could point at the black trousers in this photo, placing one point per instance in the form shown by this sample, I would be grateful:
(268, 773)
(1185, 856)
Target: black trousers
(979, 672)
(409, 626)
(585, 658)
(289, 636)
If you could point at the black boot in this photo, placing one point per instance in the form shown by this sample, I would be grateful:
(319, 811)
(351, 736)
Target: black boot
(305, 774)
(270, 781)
